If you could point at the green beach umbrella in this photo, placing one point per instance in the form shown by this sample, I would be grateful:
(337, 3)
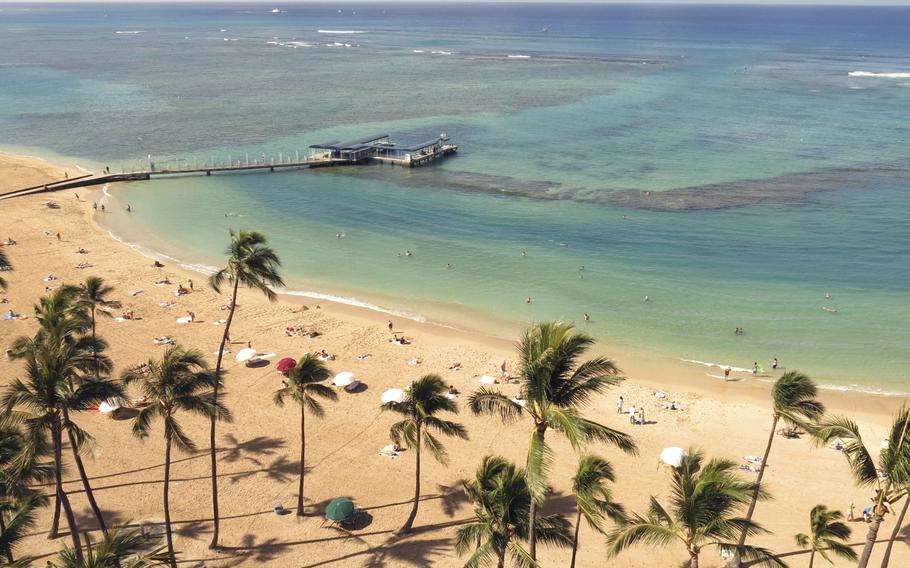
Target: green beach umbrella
(339, 509)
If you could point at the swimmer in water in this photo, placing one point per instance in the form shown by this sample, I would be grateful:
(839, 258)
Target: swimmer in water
(647, 298)
(129, 208)
(587, 317)
(407, 253)
(827, 295)
(528, 300)
(523, 253)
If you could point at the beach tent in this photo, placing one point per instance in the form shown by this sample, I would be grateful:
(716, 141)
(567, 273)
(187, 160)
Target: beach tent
(393, 395)
(339, 509)
(286, 365)
(673, 457)
(344, 379)
(246, 354)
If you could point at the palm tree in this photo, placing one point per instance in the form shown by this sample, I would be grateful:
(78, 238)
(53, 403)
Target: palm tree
(826, 532)
(93, 295)
(303, 386)
(43, 401)
(893, 463)
(502, 506)
(424, 400)
(793, 399)
(19, 468)
(17, 521)
(254, 264)
(704, 501)
(4, 265)
(180, 381)
(62, 322)
(118, 549)
(592, 496)
(555, 385)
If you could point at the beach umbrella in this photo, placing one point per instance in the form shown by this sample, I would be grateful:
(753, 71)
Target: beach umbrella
(673, 456)
(343, 379)
(285, 365)
(246, 354)
(487, 380)
(393, 395)
(110, 405)
(339, 509)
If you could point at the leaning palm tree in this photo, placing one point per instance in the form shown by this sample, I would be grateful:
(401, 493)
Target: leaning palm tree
(592, 496)
(42, 403)
(93, 295)
(826, 532)
(425, 398)
(889, 477)
(555, 385)
(502, 507)
(180, 381)
(704, 501)
(254, 264)
(793, 400)
(304, 387)
(62, 322)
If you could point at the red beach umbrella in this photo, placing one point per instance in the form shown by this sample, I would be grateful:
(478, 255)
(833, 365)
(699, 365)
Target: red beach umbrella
(285, 365)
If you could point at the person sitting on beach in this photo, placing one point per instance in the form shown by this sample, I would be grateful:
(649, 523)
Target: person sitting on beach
(81, 251)
(181, 291)
(192, 315)
(158, 264)
(452, 390)
(162, 282)
(456, 366)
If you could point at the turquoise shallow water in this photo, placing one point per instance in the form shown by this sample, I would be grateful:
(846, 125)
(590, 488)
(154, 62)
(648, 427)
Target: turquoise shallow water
(775, 176)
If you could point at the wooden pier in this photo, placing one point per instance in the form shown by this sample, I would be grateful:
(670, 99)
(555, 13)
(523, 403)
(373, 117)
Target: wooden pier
(375, 150)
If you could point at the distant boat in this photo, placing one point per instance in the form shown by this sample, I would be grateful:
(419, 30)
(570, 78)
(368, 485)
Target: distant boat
(545, 30)
(276, 11)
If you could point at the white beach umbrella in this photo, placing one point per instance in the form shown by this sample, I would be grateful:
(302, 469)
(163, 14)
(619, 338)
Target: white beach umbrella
(393, 395)
(246, 354)
(673, 456)
(110, 405)
(487, 380)
(343, 379)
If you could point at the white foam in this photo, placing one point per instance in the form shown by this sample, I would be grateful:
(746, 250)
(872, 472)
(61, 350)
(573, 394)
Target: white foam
(130, 32)
(891, 75)
(201, 268)
(439, 52)
(105, 191)
(354, 302)
(518, 56)
(419, 51)
(718, 365)
(341, 31)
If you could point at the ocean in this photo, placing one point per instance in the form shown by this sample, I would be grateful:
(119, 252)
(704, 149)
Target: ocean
(738, 166)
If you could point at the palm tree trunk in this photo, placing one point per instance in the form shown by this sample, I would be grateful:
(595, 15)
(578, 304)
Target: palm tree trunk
(61, 496)
(410, 522)
(811, 558)
(575, 539)
(897, 528)
(82, 475)
(693, 559)
(532, 516)
(213, 450)
(871, 535)
(172, 560)
(55, 523)
(302, 461)
(8, 551)
(761, 473)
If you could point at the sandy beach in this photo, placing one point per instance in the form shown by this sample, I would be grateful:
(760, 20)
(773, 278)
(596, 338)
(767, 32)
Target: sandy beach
(258, 466)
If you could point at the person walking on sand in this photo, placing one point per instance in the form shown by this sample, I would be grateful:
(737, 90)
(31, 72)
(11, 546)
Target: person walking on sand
(504, 370)
(755, 369)
(632, 414)
(619, 402)
(58, 235)
(391, 327)
(727, 374)
(190, 282)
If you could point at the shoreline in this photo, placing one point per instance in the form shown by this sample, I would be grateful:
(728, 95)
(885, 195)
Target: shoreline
(699, 373)
(726, 419)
